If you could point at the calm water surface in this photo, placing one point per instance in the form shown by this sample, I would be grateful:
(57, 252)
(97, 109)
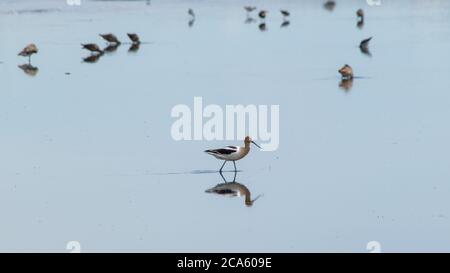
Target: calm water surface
(87, 155)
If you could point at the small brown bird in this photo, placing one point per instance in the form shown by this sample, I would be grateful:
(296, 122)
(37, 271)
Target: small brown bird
(360, 14)
(346, 72)
(110, 38)
(28, 51)
(92, 48)
(285, 13)
(249, 8)
(191, 13)
(134, 38)
(262, 14)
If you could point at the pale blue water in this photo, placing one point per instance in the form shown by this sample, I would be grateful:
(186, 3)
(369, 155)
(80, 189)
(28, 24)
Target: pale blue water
(89, 157)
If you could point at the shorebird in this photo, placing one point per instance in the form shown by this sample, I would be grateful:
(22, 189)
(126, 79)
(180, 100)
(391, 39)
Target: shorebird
(92, 48)
(232, 153)
(249, 8)
(110, 38)
(360, 15)
(262, 14)
(285, 13)
(28, 51)
(329, 5)
(233, 189)
(365, 43)
(346, 72)
(134, 38)
(191, 13)
(364, 46)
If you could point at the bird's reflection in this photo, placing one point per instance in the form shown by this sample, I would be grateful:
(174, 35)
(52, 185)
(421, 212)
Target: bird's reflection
(233, 189)
(250, 20)
(364, 47)
(262, 27)
(29, 69)
(329, 5)
(134, 47)
(191, 22)
(346, 84)
(360, 24)
(285, 23)
(93, 58)
(111, 48)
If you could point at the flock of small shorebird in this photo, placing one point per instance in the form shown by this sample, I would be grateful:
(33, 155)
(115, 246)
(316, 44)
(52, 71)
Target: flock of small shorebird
(229, 153)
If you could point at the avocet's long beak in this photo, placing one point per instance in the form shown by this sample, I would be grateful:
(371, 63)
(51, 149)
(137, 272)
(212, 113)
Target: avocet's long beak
(256, 145)
(257, 197)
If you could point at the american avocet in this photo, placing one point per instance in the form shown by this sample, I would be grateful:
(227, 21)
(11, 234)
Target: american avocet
(285, 13)
(110, 38)
(92, 48)
(232, 153)
(346, 72)
(134, 38)
(28, 51)
(262, 14)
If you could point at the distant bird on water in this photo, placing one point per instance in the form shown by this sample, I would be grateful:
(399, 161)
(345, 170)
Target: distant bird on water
(28, 51)
(110, 38)
(329, 5)
(346, 72)
(249, 8)
(360, 14)
(232, 153)
(134, 38)
(92, 48)
(262, 14)
(365, 43)
(191, 13)
(285, 13)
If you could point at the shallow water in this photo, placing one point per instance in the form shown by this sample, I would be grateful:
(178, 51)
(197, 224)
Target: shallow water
(87, 155)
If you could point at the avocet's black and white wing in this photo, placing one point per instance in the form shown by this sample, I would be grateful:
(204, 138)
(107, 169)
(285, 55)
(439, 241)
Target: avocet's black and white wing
(223, 153)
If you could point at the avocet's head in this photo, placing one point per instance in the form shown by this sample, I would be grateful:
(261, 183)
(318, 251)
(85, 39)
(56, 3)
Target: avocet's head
(249, 140)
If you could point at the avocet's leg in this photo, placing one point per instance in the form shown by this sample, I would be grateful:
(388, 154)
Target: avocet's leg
(222, 166)
(234, 162)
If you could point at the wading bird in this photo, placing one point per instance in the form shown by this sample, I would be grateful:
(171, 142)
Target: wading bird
(134, 38)
(110, 38)
(92, 48)
(285, 13)
(249, 8)
(360, 15)
(329, 5)
(262, 14)
(346, 72)
(232, 153)
(28, 51)
(364, 46)
(191, 13)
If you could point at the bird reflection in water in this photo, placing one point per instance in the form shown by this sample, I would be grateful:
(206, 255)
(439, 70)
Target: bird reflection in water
(250, 20)
(134, 47)
(233, 189)
(262, 27)
(29, 69)
(364, 47)
(191, 22)
(93, 58)
(111, 48)
(285, 23)
(346, 84)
